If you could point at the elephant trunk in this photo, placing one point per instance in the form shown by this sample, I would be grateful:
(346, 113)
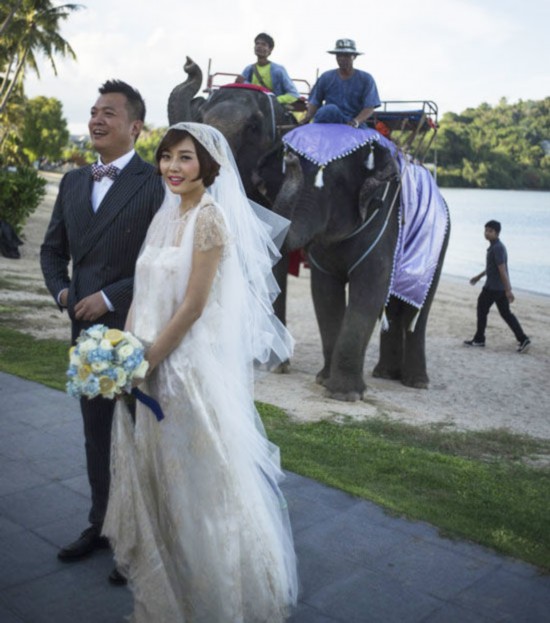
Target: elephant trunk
(289, 193)
(179, 102)
(301, 202)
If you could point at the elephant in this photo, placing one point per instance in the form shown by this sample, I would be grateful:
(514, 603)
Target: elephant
(352, 225)
(252, 122)
(334, 223)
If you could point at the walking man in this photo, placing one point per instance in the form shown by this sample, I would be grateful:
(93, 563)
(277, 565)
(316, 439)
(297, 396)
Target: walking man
(497, 289)
(99, 222)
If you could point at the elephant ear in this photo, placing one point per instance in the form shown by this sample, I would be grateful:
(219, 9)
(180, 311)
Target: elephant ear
(374, 189)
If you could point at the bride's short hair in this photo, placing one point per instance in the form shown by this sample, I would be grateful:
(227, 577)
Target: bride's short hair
(208, 167)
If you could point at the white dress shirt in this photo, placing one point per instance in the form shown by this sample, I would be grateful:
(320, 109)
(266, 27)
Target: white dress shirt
(100, 188)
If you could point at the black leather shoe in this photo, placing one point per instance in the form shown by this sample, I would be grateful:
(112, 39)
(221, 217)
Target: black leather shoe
(87, 542)
(116, 578)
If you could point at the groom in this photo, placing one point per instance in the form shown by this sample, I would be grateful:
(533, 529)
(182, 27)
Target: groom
(99, 222)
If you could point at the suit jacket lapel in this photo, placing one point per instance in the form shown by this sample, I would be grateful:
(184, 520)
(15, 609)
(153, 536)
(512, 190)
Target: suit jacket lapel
(80, 213)
(127, 183)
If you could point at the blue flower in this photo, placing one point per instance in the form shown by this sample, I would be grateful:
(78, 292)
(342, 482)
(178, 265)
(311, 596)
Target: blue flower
(99, 354)
(90, 387)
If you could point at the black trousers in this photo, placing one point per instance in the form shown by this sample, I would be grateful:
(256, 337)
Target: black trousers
(97, 415)
(484, 303)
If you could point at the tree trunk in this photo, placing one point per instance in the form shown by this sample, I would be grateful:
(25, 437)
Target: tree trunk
(7, 21)
(6, 92)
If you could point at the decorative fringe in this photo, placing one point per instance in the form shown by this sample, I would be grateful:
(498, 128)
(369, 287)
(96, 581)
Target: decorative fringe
(319, 178)
(412, 326)
(370, 160)
(384, 321)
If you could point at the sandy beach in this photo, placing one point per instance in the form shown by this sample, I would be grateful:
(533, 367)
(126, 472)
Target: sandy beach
(470, 388)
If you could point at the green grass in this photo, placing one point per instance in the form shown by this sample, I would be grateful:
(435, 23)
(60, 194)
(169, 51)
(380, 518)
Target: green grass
(43, 361)
(479, 486)
(13, 282)
(471, 485)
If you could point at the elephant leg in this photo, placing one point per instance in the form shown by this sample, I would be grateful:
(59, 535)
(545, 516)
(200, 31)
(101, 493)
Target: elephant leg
(414, 372)
(346, 380)
(329, 300)
(390, 360)
(280, 272)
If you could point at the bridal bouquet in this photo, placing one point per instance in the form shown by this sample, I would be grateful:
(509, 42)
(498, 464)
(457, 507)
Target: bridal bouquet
(104, 362)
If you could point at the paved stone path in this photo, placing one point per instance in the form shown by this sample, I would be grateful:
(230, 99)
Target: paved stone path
(357, 564)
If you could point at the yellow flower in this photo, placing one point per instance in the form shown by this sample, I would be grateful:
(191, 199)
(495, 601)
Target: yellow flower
(106, 385)
(84, 372)
(114, 336)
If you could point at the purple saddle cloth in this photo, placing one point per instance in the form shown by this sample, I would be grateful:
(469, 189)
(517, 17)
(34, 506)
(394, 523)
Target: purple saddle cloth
(424, 217)
(322, 143)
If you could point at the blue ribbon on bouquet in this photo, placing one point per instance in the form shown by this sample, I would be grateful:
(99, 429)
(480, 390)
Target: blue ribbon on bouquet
(149, 402)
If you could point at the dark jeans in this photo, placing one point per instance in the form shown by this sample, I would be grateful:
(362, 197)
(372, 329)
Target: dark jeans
(484, 303)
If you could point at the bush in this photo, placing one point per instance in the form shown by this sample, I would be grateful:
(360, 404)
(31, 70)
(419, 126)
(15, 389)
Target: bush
(20, 194)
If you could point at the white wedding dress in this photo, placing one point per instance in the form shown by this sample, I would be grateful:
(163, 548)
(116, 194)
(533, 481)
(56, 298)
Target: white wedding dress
(195, 514)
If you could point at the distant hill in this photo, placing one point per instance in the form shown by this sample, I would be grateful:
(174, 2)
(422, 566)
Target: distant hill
(504, 146)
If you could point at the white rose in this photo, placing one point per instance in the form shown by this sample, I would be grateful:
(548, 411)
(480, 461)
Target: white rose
(121, 377)
(105, 345)
(74, 359)
(99, 366)
(96, 334)
(86, 346)
(132, 339)
(125, 351)
(141, 370)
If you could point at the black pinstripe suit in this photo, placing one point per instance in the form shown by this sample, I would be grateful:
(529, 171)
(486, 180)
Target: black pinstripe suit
(103, 248)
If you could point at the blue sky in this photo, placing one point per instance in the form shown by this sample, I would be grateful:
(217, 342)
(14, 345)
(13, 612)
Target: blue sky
(458, 53)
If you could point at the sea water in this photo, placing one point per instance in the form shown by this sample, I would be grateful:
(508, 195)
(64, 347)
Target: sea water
(525, 220)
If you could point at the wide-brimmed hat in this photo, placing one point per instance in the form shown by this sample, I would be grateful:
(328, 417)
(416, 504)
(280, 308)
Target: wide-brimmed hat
(344, 46)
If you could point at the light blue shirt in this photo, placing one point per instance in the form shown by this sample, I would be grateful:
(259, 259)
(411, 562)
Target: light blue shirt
(350, 96)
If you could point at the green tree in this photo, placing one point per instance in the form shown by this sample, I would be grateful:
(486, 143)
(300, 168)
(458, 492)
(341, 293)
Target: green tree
(496, 147)
(44, 133)
(30, 27)
(148, 142)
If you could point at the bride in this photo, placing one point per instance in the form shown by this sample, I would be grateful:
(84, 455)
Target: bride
(196, 518)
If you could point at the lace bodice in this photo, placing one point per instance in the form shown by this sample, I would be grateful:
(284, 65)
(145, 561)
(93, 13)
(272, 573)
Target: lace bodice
(210, 227)
(168, 250)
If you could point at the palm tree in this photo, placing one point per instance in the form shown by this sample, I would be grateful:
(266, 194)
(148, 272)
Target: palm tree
(11, 9)
(28, 27)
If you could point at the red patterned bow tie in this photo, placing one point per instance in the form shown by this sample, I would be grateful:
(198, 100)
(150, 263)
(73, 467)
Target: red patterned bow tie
(99, 171)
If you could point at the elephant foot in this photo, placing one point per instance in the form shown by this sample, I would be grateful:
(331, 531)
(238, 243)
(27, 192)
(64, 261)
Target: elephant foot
(282, 368)
(322, 378)
(345, 396)
(384, 373)
(415, 382)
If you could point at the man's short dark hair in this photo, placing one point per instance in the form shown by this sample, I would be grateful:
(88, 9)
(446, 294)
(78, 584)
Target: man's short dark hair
(494, 225)
(136, 105)
(265, 37)
(208, 167)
